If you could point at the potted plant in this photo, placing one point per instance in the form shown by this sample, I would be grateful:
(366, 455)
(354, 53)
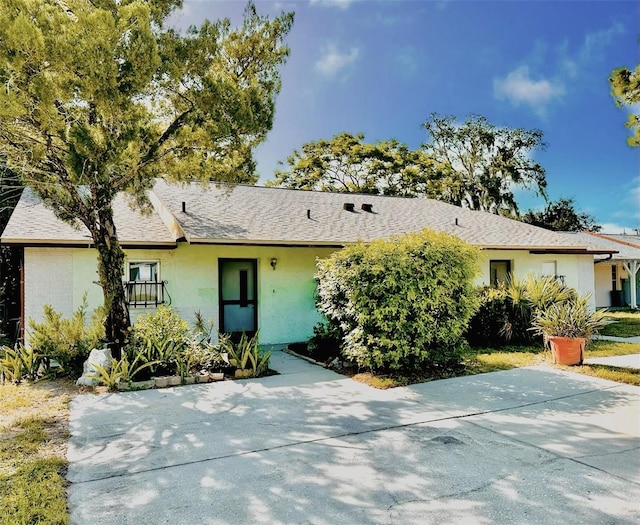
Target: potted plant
(568, 326)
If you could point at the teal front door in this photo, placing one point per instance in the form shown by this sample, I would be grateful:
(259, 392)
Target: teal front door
(237, 284)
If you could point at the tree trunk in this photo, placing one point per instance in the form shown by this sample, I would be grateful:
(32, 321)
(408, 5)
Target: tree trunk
(111, 270)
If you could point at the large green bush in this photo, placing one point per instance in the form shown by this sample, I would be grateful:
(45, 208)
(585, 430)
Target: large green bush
(403, 303)
(486, 327)
(68, 341)
(506, 312)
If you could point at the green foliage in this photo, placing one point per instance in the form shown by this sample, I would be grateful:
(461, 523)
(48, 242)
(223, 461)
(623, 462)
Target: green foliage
(35, 493)
(160, 328)
(625, 90)
(165, 340)
(570, 318)
(401, 303)
(11, 368)
(506, 312)
(326, 341)
(121, 371)
(561, 215)
(100, 97)
(484, 163)
(487, 324)
(185, 363)
(346, 164)
(20, 362)
(247, 357)
(68, 341)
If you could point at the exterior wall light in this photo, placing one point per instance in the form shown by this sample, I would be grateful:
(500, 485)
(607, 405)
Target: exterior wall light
(274, 261)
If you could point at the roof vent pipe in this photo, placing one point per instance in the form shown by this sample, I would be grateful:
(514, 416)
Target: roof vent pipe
(184, 207)
(308, 214)
(349, 206)
(457, 222)
(367, 207)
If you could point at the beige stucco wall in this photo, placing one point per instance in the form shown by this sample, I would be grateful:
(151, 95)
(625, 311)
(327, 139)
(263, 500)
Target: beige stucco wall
(576, 269)
(286, 309)
(49, 280)
(603, 284)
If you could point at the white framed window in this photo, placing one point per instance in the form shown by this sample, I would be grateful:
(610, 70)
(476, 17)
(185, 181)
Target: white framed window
(550, 268)
(143, 285)
(144, 271)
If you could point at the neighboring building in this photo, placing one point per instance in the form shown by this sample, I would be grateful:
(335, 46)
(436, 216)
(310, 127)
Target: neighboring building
(615, 274)
(246, 255)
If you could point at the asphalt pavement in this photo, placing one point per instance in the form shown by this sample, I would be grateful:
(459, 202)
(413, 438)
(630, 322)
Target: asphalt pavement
(531, 445)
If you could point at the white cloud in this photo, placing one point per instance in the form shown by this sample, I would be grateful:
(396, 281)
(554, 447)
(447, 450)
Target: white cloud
(519, 88)
(341, 4)
(595, 43)
(333, 60)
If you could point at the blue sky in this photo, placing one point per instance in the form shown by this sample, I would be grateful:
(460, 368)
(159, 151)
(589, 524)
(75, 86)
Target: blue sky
(382, 66)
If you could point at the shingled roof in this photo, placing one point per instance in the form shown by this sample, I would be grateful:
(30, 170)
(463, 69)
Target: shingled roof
(626, 246)
(219, 214)
(32, 223)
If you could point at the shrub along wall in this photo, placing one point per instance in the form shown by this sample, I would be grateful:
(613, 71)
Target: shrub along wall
(402, 304)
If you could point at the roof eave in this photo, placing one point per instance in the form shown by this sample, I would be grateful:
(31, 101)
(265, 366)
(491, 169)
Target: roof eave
(77, 243)
(268, 242)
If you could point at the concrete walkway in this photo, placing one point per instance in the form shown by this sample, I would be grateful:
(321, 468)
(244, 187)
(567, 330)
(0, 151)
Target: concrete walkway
(530, 445)
(623, 361)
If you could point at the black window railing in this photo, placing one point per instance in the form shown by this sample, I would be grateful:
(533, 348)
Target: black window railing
(145, 293)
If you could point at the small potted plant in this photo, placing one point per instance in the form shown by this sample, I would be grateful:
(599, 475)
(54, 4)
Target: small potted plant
(568, 326)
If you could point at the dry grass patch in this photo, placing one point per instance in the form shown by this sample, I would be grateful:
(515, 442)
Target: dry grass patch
(34, 428)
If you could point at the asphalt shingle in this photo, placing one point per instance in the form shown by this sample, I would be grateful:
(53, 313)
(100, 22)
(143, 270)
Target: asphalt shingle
(253, 214)
(33, 223)
(258, 215)
(621, 243)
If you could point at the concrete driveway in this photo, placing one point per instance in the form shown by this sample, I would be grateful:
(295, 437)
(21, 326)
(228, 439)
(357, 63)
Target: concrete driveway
(524, 446)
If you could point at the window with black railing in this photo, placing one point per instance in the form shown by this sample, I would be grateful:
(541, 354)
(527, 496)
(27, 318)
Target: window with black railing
(145, 293)
(144, 288)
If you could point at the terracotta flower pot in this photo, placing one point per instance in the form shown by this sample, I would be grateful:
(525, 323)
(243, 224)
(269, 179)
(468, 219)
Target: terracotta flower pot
(567, 350)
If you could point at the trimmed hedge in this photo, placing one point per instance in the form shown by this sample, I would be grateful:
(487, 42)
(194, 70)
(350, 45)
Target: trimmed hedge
(402, 304)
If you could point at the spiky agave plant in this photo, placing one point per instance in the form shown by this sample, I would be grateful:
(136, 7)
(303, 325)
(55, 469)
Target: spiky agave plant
(571, 318)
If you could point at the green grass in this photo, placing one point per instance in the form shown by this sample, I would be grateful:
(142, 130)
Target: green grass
(624, 324)
(35, 493)
(32, 453)
(484, 360)
(604, 348)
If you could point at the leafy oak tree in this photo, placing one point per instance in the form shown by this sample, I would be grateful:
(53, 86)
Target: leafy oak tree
(562, 215)
(485, 162)
(347, 164)
(625, 89)
(100, 97)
